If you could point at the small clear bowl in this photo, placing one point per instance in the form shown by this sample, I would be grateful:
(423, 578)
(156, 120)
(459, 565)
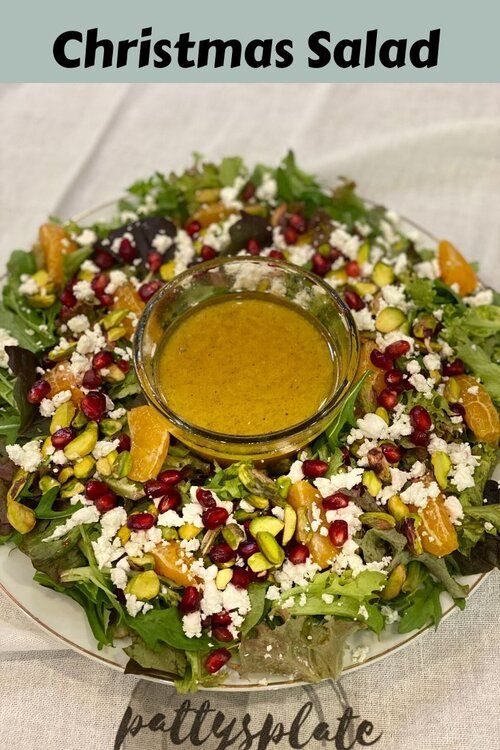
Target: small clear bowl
(231, 276)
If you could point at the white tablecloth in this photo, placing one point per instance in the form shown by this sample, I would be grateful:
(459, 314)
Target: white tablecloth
(431, 153)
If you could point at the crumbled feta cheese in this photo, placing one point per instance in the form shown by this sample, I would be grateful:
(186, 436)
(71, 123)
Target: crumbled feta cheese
(191, 625)
(104, 447)
(364, 319)
(92, 341)
(78, 324)
(48, 406)
(348, 244)
(135, 605)
(474, 389)
(391, 615)
(88, 514)
(296, 474)
(483, 297)
(83, 291)
(27, 456)
(6, 340)
(117, 279)
(267, 189)
(229, 194)
(419, 493)
(337, 482)
(87, 237)
(432, 362)
(454, 508)
(162, 242)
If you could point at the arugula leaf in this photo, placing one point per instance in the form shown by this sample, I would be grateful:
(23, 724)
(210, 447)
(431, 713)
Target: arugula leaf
(424, 607)
(423, 293)
(44, 507)
(346, 414)
(437, 568)
(373, 543)
(481, 365)
(474, 495)
(484, 556)
(303, 647)
(23, 364)
(230, 168)
(257, 595)
(127, 387)
(487, 513)
(20, 262)
(164, 626)
(168, 661)
(73, 261)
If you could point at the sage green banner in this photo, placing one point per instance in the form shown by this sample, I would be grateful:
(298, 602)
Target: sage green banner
(262, 40)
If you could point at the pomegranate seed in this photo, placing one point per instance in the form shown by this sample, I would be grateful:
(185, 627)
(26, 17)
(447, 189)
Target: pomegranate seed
(123, 365)
(335, 501)
(380, 360)
(352, 268)
(215, 517)
(320, 264)
(334, 253)
(338, 532)
(206, 621)
(169, 477)
(93, 405)
(241, 578)
(91, 380)
(170, 501)
(190, 601)
(38, 391)
(222, 634)
(193, 227)
(106, 502)
(103, 259)
(127, 251)
(248, 192)
(420, 418)
(314, 468)
(353, 300)
(102, 359)
(106, 300)
(216, 660)
(205, 498)
(456, 367)
(222, 552)
(420, 438)
(154, 488)
(392, 453)
(68, 298)
(124, 443)
(393, 377)
(253, 247)
(346, 456)
(141, 521)
(247, 549)
(290, 235)
(397, 349)
(297, 222)
(155, 261)
(298, 554)
(60, 438)
(208, 253)
(222, 619)
(277, 255)
(95, 489)
(387, 398)
(146, 291)
(99, 283)
(458, 409)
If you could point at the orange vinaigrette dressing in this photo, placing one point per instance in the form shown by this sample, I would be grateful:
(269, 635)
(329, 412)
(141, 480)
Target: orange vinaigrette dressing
(245, 364)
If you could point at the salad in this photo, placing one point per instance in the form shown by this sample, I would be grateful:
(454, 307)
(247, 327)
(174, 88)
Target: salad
(206, 568)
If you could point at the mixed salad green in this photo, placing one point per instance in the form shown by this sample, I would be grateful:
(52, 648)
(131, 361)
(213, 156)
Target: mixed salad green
(206, 568)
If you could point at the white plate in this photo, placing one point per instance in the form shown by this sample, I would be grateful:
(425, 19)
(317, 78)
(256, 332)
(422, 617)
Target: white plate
(66, 620)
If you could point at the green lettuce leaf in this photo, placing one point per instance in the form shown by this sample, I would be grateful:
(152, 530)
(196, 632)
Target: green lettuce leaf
(303, 647)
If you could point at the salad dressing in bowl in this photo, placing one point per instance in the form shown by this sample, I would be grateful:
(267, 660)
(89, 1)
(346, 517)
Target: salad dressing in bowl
(247, 358)
(245, 364)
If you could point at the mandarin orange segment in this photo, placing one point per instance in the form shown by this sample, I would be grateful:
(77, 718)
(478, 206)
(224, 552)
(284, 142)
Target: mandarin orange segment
(150, 440)
(55, 243)
(127, 298)
(302, 497)
(455, 269)
(166, 557)
(481, 415)
(62, 378)
(212, 213)
(436, 531)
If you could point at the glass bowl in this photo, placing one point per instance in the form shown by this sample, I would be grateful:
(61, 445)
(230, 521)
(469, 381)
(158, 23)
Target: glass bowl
(229, 276)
